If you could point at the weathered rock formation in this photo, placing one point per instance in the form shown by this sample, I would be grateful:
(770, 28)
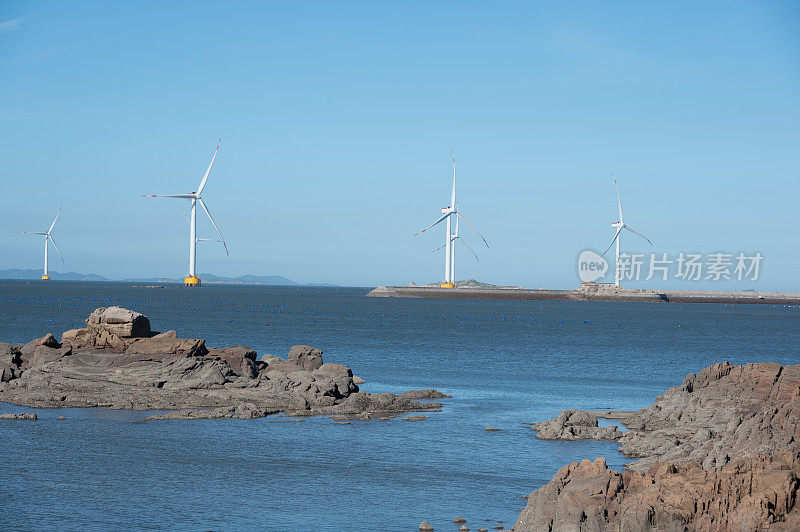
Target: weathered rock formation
(575, 425)
(118, 362)
(719, 452)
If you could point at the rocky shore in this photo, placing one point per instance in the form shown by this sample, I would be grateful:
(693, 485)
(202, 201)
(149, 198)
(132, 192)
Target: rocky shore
(719, 452)
(116, 361)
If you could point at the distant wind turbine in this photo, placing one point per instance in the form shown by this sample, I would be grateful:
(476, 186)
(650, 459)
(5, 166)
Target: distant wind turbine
(619, 226)
(48, 237)
(194, 198)
(448, 213)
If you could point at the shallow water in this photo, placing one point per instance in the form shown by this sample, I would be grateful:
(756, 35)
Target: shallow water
(505, 363)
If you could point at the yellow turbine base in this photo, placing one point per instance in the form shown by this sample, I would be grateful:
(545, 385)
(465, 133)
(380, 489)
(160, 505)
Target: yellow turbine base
(45, 277)
(447, 285)
(191, 280)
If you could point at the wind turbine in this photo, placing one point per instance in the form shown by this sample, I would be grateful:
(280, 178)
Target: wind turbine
(619, 226)
(194, 198)
(448, 213)
(48, 237)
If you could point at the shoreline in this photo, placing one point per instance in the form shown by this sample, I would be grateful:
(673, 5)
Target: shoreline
(719, 451)
(629, 295)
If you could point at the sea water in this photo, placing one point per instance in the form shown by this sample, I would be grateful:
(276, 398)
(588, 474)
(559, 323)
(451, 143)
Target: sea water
(506, 363)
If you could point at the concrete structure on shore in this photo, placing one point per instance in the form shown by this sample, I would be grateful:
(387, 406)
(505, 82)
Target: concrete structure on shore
(591, 292)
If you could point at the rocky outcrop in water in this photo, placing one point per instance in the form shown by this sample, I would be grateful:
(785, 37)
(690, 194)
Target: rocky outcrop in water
(719, 452)
(575, 425)
(118, 362)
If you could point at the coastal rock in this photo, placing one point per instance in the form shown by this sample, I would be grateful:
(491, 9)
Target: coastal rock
(47, 340)
(458, 520)
(425, 526)
(167, 343)
(96, 367)
(306, 357)
(574, 424)
(748, 494)
(19, 416)
(719, 452)
(427, 393)
(120, 322)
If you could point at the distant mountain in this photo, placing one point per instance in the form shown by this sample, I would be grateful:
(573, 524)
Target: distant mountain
(208, 278)
(58, 276)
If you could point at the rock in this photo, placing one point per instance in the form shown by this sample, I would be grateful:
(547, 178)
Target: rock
(120, 322)
(306, 357)
(167, 343)
(424, 394)
(719, 452)
(425, 526)
(415, 418)
(47, 340)
(18, 416)
(750, 494)
(575, 425)
(97, 367)
(482, 529)
(44, 355)
(492, 429)
(242, 360)
(358, 380)
(61, 417)
(458, 520)
(463, 528)
(6, 373)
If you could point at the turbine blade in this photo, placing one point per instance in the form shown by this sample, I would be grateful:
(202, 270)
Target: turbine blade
(205, 177)
(473, 228)
(434, 223)
(203, 204)
(616, 235)
(637, 232)
(619, 201)
(54, 219)
(468, 247)
(32, 233)
(55, 246)
(453, 194)
(439, 248)
(179, 196)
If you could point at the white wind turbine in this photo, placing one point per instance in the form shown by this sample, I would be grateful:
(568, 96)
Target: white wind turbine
(48, 237)
(194, 198)
(450, 238)
(619, 226)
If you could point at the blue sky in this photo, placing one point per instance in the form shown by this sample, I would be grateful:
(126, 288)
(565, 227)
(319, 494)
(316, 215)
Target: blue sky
(337, 121)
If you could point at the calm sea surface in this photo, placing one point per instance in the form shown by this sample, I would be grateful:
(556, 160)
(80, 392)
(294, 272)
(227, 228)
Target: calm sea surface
(504, 362)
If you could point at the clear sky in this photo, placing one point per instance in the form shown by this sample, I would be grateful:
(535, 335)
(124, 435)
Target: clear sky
(337, 120)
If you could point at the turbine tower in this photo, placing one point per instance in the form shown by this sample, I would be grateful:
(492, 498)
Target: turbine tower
(194, 198)
(619, 226)
(448, 213)
(48, 237)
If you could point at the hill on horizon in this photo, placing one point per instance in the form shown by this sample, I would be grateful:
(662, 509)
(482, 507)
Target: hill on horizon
(208, 278)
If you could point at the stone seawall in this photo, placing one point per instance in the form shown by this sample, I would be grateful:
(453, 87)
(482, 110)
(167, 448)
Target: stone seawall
(589, 294)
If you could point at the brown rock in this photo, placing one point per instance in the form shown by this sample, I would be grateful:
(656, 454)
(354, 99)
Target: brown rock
(458, 520)
(120, 322)
(47, 340)
(749, 494)
(167, 343)
(425, 526)
(427, 393)
(306, 357)
(19, 416)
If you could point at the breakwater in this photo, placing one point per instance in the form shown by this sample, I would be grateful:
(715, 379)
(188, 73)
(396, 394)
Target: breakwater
(592, 292)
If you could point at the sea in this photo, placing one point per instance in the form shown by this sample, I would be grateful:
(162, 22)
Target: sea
(506, 364)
